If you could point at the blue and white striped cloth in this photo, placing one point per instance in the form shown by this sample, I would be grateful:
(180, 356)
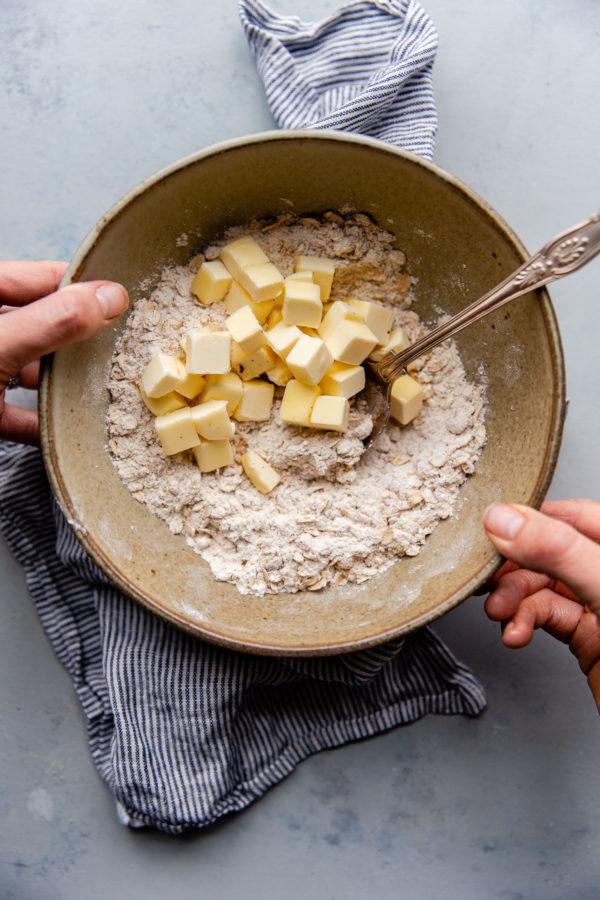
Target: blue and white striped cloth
(367, 69)
(184, 732)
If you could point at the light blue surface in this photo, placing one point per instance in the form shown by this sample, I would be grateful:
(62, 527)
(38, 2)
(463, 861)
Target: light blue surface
(94, 97)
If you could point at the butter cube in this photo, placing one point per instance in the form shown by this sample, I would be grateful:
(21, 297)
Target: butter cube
(240, 254)
(261, 474)
(406, 399)
(256, 402)
(282, 338)
(190, 385)
(275, 316)
(211, 420)
(322, 271)
(211, 282)
(262, 309)
(245, 329)
(301, 276)
(336, 313)
(237, 297)
(226, 387)
(177, 431)
(397, 341)
(297, 402)
(262, 282)
(350, 342)
(330, 413)
(341, 380)
(207, 352)
(211, 455)
(309, 359)
(378, 318)
(251, 365)
(161, 375)
(302, 303)
(279, 374)
(160, 406)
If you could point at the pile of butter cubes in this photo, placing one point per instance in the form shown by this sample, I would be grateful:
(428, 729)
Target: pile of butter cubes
(285, 329)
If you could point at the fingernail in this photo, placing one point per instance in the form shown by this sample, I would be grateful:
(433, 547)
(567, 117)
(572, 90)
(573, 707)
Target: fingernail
(113, 300)
(503, 520)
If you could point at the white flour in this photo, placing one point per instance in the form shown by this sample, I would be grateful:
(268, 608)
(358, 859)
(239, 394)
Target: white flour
(339, 514)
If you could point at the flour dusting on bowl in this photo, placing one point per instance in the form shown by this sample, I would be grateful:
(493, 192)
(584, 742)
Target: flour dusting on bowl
(339, 515)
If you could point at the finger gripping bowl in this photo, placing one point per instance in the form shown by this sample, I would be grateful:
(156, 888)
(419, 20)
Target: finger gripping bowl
(457, 248)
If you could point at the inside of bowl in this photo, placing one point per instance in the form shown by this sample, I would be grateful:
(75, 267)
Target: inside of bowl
(457, 249)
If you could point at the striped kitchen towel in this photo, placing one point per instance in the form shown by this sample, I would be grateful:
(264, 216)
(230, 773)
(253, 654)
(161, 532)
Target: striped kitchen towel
(184, 732)
(367, 69)
(181, 731)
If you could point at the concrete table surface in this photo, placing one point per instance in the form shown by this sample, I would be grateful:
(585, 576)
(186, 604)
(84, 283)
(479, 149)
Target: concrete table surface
(94, 97)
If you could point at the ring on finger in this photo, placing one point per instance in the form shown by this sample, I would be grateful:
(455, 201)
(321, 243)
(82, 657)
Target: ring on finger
(13, 382)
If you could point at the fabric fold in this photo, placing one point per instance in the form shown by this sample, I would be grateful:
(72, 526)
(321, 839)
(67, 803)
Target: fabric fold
(367, 68)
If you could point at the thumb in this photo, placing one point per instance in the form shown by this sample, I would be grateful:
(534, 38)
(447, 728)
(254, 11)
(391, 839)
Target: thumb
(545, 544)
(71, 314)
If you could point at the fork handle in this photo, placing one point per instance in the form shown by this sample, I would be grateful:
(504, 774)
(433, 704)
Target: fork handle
(565, 253)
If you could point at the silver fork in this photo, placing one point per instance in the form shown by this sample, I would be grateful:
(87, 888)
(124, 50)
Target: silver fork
(562, 255)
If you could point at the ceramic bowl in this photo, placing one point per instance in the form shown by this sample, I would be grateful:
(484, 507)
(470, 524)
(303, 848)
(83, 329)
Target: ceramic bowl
(457, 247)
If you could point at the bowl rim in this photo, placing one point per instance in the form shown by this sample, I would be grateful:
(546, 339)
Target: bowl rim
(61, 493)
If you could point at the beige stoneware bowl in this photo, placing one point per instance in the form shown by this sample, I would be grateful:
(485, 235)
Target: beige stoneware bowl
(457, 248)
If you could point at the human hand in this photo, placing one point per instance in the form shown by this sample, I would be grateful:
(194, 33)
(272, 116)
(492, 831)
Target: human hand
(551, 579)
(37, 318)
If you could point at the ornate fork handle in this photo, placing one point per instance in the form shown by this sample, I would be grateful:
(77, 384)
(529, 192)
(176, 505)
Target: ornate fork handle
(565, 253)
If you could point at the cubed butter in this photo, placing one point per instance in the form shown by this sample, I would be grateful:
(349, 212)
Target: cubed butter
(262, 309)
(211, 420)
(240, 254)
(302, 303)
(262, 282)
(256, 402)
(341, 380)
(282, 338)
(406, 399)
(397, 341)
(245, 329)
(336, 313)
(350, 342)
(251, 365)
(160, 406)
(190, 385)
(309, 359)
(177, 431)
(211, 282)
(279, 374)
(378, 318)
(262, 475)
(237, 297)
(161, 375)
(322, 270)
(212, 455)
(207, 352)
(226, 387)
(330, 413)
(297, 402)
(274, 317)
(301, 276)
